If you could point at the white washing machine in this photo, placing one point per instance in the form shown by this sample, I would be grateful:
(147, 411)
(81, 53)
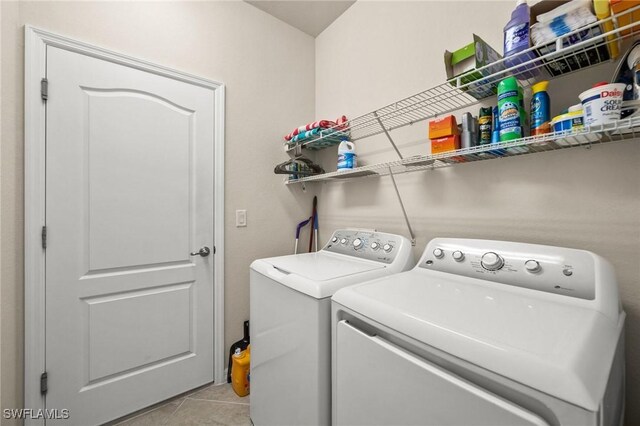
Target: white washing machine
(290, 308)
(482, 333)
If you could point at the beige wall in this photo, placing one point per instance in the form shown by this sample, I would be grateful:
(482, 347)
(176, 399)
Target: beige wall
(374, 54)
(268, 68)
(1, 204)
(379, 52)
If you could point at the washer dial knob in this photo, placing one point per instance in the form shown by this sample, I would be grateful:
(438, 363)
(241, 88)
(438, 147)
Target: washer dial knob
(343, 241)
(492, 261)
(532, 266)
(438, 253)
(458, 256)
(375, 246)
(357, 243)
(334, 240)
(387, 248)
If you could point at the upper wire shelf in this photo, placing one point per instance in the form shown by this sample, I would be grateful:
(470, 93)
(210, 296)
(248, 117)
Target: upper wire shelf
(561, 56)
(621, 130)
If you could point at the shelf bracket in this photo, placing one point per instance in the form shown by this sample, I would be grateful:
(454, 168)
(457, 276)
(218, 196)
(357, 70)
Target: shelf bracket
(384, 129)
(404, 212)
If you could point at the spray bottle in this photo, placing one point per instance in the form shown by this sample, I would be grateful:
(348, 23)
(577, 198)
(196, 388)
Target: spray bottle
(540, 109)
(484, 123)
(509, 109)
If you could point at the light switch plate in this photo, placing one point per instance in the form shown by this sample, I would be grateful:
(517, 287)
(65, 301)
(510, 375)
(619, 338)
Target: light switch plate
(241, 218)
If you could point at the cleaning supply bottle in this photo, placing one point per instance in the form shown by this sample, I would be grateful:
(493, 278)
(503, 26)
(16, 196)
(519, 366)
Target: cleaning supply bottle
(468, 138)
(495, 133)
(240, 371)
(603, 11)
(524, 121)
(540, 109)
(516, 39)
(509, 109)
(346, 156)
(485, 119)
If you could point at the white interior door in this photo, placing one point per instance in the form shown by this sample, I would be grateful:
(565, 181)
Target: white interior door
(129, 194)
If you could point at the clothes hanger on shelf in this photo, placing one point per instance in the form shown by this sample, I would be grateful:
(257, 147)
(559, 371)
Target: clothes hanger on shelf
(306, 167)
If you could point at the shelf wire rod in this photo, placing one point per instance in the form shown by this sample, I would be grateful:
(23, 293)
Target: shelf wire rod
(433, 102)
(596, 134)
(453, 97)
(389, 137)
(425, 108)
(404, 211)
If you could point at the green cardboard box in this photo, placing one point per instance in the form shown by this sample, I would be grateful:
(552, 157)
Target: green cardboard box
(471, 57)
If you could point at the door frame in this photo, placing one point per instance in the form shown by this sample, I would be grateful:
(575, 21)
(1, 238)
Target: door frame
(36, 42)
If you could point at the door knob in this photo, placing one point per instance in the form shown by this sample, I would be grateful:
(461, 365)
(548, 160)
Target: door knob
(204, 252)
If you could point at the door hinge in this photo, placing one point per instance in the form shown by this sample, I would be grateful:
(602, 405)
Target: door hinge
(44, 237)
(214, 249)
(44, 383)
(44, 89)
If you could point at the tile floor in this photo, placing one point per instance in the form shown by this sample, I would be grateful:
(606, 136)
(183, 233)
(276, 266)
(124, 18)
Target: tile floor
(208, 405)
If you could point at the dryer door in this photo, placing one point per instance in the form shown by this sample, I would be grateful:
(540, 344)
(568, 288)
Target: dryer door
(380, 383)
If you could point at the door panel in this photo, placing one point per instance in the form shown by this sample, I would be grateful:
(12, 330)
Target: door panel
(116, 347)
(129, 313)
(390, 386)
(152, 147)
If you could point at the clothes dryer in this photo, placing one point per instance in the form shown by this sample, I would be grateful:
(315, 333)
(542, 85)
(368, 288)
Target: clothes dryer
(482, 333)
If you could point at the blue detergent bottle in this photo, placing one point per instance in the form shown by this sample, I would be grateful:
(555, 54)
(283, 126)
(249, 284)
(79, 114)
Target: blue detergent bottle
(516, 39)
(346, 156)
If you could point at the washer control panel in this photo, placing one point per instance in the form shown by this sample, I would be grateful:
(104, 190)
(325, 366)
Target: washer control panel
(371, 245)
(557, 270)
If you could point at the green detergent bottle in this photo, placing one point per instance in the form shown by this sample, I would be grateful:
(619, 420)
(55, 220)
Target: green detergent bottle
(509, 109)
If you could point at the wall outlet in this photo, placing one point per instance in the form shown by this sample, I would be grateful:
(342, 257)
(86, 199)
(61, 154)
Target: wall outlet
(241, 218)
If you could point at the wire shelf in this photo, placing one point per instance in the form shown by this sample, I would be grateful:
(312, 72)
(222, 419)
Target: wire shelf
(573, 51)
(618, 131)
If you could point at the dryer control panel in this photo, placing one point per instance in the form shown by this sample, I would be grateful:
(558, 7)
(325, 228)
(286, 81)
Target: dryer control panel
(556, 270)
(371, 245)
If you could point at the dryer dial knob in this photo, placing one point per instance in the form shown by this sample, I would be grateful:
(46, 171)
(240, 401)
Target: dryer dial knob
(492, 261)
(438, 253)
(375, 246)
(357, 243)
(458, 256)
(343, 241)
(334, 240)
(387, 248)
(532, 266)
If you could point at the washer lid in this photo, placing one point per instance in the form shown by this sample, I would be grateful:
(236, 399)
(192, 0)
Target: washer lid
(322, 266)
(527, 336)
(319, 274)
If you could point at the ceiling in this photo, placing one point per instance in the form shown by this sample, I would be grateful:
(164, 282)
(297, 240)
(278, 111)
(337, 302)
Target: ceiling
(311, 17)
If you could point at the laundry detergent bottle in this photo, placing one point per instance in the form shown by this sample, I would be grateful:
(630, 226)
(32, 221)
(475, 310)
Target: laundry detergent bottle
(346, 156)
(240, 369)
(516, 40)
